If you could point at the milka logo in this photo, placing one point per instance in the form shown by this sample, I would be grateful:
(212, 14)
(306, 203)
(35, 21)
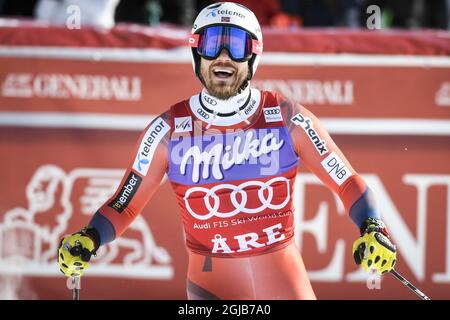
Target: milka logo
(307, 126)
(227, 156)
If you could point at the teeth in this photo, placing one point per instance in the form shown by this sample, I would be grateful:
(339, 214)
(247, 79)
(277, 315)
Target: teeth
(223, 70)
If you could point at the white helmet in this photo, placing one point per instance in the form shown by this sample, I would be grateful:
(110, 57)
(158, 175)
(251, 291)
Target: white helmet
(228, 13)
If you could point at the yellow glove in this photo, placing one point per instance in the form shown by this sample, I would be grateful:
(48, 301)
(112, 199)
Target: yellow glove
(374, 249)
(74, 254)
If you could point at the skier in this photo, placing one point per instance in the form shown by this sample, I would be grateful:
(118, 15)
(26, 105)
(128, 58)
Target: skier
(231, 153)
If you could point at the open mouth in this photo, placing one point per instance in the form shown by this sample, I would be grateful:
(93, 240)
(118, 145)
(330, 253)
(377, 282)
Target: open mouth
(223, 73)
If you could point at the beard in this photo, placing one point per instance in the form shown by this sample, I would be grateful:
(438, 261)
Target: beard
(221, 89)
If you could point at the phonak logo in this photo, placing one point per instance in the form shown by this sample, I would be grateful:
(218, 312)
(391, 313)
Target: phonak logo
(183, 124)
(220, 157)
(306, 124)
(216, 12)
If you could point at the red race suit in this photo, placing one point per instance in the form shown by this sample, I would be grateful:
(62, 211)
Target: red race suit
(233, 174)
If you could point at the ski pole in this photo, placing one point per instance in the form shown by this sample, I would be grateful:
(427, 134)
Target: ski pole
(76, 281)
(76, 250)
(409, 285)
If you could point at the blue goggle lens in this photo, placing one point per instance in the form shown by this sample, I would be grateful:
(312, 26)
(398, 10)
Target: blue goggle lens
(214, 39)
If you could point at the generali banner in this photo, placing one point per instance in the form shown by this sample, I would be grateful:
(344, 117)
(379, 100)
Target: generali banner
(142, 88)
(70, 117)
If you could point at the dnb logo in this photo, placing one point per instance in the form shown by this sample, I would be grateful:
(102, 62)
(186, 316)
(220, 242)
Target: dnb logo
(57, 204)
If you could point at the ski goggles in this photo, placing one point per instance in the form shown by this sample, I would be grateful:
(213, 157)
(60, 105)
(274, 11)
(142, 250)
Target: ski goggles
(212, 40)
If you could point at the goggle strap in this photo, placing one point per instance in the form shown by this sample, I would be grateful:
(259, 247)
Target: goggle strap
(257, 47)
(193, 40)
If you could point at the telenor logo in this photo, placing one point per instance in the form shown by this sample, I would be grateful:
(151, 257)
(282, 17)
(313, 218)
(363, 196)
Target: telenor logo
(216, 12)
(142, 162)
(148, 145)
(127, 192)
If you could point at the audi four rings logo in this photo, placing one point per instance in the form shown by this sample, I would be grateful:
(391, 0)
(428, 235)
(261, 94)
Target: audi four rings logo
(272, 111)
(203, 113)
(210, 100)
(239, 206)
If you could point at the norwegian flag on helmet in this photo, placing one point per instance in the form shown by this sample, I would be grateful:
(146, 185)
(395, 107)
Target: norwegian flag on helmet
(225, 19)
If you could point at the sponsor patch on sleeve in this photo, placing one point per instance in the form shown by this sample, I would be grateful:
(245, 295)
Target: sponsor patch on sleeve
(183, 124)
(272, 114)
(307, 125)
(126, 193)
(148, 145)
(336, 168)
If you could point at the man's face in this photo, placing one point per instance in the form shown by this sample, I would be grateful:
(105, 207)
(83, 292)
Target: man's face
(223, 76)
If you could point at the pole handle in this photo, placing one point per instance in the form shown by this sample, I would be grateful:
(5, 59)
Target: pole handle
(76, 282)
